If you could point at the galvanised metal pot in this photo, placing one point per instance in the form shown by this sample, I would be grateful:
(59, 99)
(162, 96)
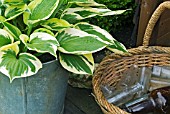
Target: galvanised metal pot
(42, 93)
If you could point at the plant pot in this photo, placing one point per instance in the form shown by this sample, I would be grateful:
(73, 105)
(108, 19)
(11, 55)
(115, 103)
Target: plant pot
(43, 93)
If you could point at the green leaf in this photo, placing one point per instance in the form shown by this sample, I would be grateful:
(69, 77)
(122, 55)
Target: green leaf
(114, 45)
(40, 10)
(13, 2)
(13, 11)
(55, 24)
(95, 30)
(61, 6)
(14, 46)
(85, 3)
(23, 65)
(75, 41)
(80, 13)
(2, 9)
(106, 12)
(13, 30)
(5, 38)
(79, 64)
(2, 19)
(41, 42)
(44, 30)
(117, 47)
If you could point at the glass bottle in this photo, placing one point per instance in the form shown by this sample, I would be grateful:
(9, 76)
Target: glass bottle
(123, 84)
(157, 102)
(107, 90)
(119, 97)
(157, 82)
(161, 71)
(126, 78)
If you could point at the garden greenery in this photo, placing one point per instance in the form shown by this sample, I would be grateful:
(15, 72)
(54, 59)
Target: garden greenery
(115, 23)
(30, 28)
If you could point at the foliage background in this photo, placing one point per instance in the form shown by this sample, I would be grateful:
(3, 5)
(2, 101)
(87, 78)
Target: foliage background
(120, 26)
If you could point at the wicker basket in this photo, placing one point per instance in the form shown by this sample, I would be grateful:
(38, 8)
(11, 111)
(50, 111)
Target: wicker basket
(110, 69)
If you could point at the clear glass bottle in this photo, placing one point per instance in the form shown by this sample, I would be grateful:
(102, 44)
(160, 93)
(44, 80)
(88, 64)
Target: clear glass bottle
(126, 78)
(119, 97)
(157, 102)
(107, 90)
(157, 82)
(123, 84)
(161, 71)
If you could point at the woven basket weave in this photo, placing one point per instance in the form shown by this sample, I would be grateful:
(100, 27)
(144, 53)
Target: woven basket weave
(110, 69)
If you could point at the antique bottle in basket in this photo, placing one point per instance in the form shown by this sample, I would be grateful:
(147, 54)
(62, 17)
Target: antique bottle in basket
(160, 77)
(157, 102)
(125, 82)
(122, 94)
(156, 83)
(161, 71)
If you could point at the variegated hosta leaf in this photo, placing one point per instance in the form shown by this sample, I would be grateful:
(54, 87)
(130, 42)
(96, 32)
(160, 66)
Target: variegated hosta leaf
(106, 12)
(2, 19)
(40, 42)
(14, 46)
(62, 5)
(40, 10)
(117, 47)
(44, 30)
(13, 30)
(17, 66)
(56, 24)
(75, 41)
(95, 30)
(13, 11)
(114, 45)
(79, 64)
(80, 13)
(5, 38)
(85, 3)
(14, 2)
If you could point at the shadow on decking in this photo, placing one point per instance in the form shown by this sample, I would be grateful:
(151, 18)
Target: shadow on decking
(80, 101)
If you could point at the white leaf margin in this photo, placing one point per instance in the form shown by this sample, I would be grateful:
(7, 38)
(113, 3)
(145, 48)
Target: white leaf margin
(37, 63)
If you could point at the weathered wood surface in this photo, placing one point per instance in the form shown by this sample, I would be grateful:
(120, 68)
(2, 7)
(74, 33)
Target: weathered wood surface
(80, 101)
(161, 32)
(163, 36)
(147, 7)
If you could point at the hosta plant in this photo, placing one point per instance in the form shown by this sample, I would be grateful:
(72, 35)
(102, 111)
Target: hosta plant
(31, 28)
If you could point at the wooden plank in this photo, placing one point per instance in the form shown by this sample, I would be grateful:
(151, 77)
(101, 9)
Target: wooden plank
(163, 25)
(70, 108)
(164, 29)
(82, 99)
(164, 40)
(147, 8)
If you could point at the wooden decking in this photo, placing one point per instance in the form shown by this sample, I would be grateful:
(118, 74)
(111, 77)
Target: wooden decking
(80, 101)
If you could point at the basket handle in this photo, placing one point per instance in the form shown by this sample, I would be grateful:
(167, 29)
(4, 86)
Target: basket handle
(154, 18)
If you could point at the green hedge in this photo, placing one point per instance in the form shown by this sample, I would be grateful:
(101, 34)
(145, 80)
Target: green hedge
(115, 23)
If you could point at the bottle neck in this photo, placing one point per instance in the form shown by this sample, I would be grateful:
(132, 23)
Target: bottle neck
(143, 107)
